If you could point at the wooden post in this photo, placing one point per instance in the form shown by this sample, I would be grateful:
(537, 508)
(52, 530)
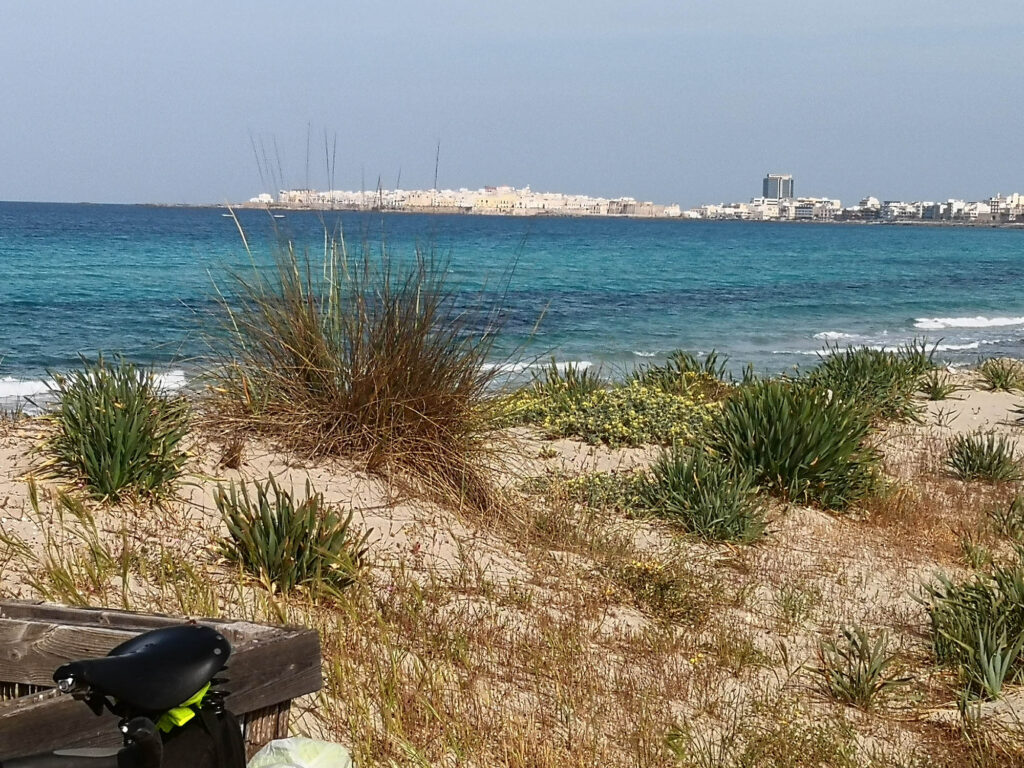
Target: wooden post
(265, 725)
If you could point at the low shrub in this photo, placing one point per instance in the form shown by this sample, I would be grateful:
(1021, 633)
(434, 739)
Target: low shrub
(977, 627)
(1002, 374)
(289, 543)
(706, 496)
(936, 386)
(632, 414)
(114, 431)
(620, 491)
(853, 669)
(982, 457)
(798, 442)
(884, 382)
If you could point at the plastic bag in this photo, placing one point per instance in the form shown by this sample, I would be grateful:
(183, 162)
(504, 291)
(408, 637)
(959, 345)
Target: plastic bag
(300, 752)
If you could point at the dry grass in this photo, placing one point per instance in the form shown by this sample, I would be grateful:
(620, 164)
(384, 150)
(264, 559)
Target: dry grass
(365, 357)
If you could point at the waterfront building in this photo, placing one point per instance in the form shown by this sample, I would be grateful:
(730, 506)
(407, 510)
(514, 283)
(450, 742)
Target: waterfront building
(777, 186)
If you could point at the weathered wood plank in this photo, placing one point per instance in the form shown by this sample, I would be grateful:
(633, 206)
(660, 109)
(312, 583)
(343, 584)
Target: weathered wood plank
(30, 652)
(128, 621)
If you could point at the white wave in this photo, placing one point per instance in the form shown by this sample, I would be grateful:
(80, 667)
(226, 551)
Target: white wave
(939, 323)
(644, 353)
(834, 335)
(170, 380)
(12, 388)
(956, 347)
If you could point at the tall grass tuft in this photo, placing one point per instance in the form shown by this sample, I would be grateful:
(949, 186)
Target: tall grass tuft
(882, 381)
(706, 496)
(115, 432)
(798, 442)
(364, 356)
(288, 542)
(982, 457)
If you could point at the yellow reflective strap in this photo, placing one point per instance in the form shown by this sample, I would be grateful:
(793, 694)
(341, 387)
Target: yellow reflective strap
(181, 714)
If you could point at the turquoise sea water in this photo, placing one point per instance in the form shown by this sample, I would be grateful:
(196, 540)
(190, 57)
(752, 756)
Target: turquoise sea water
(612, 292)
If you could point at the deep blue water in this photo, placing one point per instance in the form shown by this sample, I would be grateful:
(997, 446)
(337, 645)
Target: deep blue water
(615, 292)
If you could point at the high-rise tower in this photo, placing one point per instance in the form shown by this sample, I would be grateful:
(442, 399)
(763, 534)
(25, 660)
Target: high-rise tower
(777, 186)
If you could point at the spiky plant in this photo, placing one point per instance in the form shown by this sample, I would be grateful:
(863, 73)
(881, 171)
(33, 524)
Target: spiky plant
(883, 382)
(936, 386)
(705, 496)
(854, 669)
(289, 543)
(977, 627)
(980, 456)
(114, 431)
(798, 442)
(1002, 374)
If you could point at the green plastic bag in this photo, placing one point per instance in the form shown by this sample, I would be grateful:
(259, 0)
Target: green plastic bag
(300, 752)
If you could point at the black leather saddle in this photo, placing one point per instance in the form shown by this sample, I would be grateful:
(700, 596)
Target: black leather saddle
(153, 672)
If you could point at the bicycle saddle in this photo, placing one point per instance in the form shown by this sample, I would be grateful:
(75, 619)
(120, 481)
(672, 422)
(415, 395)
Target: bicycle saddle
(153, 672)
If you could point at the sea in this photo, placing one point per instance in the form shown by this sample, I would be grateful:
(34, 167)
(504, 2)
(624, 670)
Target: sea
(142, 281)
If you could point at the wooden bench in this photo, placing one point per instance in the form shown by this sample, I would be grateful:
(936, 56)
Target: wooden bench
(269, 666)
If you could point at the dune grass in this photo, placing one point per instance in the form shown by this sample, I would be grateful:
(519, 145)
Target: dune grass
(364, 356)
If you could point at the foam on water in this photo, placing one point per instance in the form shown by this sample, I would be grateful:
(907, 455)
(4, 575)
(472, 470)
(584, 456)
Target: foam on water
(940, 323)
(834, 336)
(644, 353)
(580, 365)
(12, 388)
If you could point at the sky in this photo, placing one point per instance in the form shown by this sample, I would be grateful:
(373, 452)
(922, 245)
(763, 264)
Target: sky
(682, 101)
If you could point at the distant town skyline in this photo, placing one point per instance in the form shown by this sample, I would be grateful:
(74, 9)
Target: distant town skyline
(682, 103)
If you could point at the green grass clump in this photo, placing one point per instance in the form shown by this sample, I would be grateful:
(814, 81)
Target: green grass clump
(798, 442)
(1002, 374)
(287, 542)
(706, 496)
(982, 457)
(977, 627)
(363, 356)
(853, 670)
(631, 414)
(884, 382)
(115, 432)
(936, 386)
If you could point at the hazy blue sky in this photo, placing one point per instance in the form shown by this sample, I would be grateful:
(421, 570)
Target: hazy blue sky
(675, 101)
